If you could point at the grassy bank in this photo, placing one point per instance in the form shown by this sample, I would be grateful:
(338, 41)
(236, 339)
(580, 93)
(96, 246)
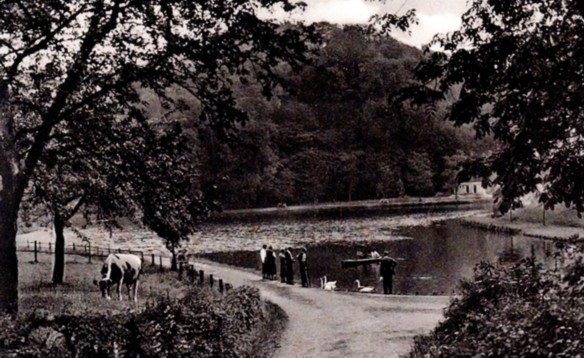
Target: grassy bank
(172, 319)
(560, 224)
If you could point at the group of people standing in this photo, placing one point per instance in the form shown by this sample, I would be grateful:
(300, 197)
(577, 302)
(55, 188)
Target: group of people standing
(287, 260)
(387, 266)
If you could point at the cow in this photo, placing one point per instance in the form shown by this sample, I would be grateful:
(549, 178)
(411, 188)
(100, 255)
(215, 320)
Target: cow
(118, 269)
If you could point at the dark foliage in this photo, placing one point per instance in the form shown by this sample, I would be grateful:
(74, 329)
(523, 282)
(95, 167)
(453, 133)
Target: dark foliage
(339, 132)
(201, 324)
(82, 66)
(518, 311)
(518, 66)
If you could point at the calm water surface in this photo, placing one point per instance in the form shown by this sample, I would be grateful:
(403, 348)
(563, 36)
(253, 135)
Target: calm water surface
(432, 259)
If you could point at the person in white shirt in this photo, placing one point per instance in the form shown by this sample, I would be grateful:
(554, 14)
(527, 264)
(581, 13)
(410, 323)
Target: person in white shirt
(263, 260)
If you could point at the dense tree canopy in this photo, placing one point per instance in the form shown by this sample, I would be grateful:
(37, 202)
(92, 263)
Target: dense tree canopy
(338, 133)
(67, 66)
(85, 173)
(68, 62)
(124, 167)
(520, 66)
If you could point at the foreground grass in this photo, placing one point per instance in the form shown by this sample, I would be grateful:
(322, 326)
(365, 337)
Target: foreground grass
(79, 293)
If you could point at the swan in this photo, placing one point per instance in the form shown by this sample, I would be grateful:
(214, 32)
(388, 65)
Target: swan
(365, 289)
(330, 286)
(327, 285)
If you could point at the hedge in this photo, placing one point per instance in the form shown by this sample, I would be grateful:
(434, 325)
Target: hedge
(201, 324)
(524, 310)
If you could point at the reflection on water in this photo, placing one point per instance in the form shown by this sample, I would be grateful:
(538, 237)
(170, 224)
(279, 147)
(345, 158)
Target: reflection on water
(432, 262)
(447, 252)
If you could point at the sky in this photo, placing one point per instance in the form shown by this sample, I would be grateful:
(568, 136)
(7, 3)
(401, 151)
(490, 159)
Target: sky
(434, 16)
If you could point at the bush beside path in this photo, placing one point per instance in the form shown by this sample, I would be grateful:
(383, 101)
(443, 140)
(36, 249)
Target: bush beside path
(339, 324)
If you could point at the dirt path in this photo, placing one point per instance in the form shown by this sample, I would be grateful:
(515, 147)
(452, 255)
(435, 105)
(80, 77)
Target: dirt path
(338, 324)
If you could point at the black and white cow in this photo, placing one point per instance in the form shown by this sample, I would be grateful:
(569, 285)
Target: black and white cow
(118, 269)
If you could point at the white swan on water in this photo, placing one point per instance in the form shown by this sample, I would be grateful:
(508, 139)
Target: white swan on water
(365, 289)
(327, 285)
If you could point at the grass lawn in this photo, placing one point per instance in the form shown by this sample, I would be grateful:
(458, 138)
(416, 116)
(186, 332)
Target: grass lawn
(560, 216)
(79, 294)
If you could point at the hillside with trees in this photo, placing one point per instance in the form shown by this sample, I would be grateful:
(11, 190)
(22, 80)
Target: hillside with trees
(336, 131)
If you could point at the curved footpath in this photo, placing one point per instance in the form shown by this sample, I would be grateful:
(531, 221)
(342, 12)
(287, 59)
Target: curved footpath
(339, 324)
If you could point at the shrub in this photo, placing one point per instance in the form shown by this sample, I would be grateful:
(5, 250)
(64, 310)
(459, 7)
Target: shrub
(202, 324)
(521, 311)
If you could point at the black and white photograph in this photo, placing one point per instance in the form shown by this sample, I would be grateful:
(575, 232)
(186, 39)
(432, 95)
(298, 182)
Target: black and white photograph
(291, 179)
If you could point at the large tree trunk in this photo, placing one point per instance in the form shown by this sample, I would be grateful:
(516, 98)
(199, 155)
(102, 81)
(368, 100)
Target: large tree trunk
(59, 263)
(8, 259)
(8, 226)
(173, 261)
(12, 185)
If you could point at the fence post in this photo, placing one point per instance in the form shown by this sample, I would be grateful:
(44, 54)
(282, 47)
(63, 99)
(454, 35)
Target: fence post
(211, 280)
(221, 285)
(89, 251)
(201, 276)
(153, 263)
(73, 247)
(119, 250)
(50, 248)
(36, 261)
(160, 260)
(191, 272)
(27, 245)
(142, 253)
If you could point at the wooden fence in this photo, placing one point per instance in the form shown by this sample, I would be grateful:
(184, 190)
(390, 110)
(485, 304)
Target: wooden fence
(86, 249)
(186, 270)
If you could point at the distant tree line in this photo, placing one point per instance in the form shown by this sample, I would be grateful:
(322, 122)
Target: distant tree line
(335, 131)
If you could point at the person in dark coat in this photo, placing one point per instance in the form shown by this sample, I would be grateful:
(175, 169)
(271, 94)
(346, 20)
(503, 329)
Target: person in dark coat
(283, 273)
(289, 266)
(303, 267)
(271, 263)
(386, 271)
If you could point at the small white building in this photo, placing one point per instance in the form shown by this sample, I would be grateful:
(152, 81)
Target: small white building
(473, 188)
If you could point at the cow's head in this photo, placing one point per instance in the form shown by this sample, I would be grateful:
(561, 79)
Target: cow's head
(104, 285)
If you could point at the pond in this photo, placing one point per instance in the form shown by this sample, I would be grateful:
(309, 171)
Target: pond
(433, 256)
